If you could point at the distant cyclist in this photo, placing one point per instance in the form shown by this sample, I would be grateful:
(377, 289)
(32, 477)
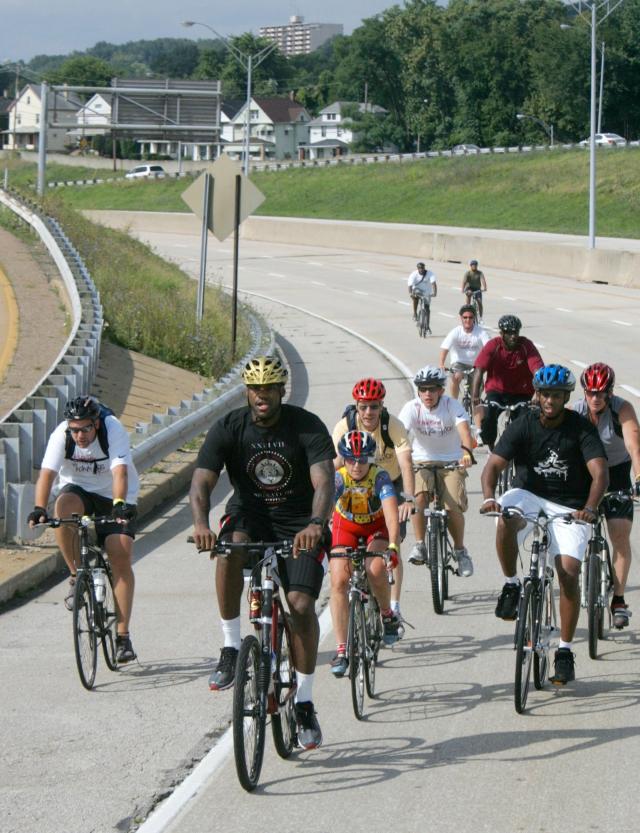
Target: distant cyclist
(561, 468)
(506, 364)
(617, 425)
(462, 345)
(474, 284)
(421, 283)
(90, 455)
(366, 507)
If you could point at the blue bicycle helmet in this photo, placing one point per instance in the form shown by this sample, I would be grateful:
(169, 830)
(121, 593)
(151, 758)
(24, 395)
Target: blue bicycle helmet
(554, 377)
(355, 445)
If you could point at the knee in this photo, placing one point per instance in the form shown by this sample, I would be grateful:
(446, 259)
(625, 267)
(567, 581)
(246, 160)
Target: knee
(302, 608)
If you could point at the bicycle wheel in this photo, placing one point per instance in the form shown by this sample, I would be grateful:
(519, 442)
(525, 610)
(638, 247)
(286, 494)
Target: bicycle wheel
(436, 568)
(423, 321)
(249, 714)
(283, 721)
(524, 647)
(594, 611)
(357, 656)
(542, 636)
(107, 615)
(85, 640)
(447, 556)
(374, 638)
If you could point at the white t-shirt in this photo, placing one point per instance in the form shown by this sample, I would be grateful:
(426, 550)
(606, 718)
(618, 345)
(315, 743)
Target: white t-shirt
(463, 347)
(433, 431)
(90, 469)
(422, 284)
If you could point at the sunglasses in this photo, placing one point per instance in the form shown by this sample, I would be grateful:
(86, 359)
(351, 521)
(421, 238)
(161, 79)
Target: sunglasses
(595, 393)
(369, 406)
(363, 461)
(85, 429)
(429, 389)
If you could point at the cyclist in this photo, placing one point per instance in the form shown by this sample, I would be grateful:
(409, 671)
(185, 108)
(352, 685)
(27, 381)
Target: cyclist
(439, 430)
(279, 461)
(366, 507)
(392, 453)
(464, 343)
(474, 284)
(90, 455)
(508, 361)
(617, 425)
(421, 282)
(561, 467)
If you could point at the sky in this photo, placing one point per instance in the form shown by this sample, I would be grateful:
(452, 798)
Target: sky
(57, 27)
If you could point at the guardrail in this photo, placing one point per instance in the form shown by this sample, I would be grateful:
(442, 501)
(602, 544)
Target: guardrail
(24, 431)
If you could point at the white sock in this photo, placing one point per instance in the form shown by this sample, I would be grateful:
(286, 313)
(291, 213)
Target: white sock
(231, 632)
(563, 644)
(512, 580)
(395, 606)
(305, 687)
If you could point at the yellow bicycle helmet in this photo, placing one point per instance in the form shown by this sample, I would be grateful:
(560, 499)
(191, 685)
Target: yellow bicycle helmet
(264, 370)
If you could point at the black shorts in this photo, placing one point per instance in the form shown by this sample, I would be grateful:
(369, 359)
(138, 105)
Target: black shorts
(96, 505)
(619, 481)
(304, 573)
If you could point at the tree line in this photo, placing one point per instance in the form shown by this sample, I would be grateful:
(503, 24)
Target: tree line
(445, 75)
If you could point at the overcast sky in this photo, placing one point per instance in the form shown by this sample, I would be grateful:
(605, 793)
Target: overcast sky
(56, 27)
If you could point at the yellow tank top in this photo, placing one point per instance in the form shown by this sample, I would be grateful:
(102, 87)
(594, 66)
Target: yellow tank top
(359, 502)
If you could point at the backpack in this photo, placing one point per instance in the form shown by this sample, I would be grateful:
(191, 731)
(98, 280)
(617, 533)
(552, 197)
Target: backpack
(350, 414)
(617, 425)
(103, 438)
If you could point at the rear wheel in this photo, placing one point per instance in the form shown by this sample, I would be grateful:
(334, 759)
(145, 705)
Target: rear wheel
(594, 611)
(249, 714)
(357, 658)
(283, 721)
(108, 623)
(524, 648)
(436, 568)
(84, 630)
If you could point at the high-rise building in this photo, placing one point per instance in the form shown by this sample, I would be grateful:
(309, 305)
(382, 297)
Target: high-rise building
(299, 38)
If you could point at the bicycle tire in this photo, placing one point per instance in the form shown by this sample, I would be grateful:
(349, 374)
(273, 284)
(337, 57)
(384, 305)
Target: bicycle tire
(542, 636)
(373, 623)
(606, 591)
(423, 324)
(357, 656)
(594, 611)
(524, 648)
(108, 619)
(283, 721)
(85, 639)
(446, 548)
(249, 714)
(436, 569)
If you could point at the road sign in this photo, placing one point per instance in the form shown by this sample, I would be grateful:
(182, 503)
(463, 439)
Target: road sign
(221, 213)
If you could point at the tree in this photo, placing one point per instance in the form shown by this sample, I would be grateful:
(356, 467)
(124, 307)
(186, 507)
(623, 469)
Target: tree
(82, 70)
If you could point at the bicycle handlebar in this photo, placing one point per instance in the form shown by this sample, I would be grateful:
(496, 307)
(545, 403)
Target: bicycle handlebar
(538, 519)
(79, 521)
(225, 548)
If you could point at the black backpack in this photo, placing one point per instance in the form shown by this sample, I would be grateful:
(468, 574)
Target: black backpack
(103, 439)
(350, 413)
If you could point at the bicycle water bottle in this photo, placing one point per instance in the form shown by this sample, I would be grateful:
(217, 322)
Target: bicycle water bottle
(255, 604)
(99, 583)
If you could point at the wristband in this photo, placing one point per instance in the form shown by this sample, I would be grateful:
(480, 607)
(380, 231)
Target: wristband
(392, 547)
(590, 509)
(118, 500)
(408, 498)
(489, 500)
(316, 522)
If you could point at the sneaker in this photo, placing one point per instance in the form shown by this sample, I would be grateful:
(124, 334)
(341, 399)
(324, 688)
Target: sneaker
(339, 665)
(400, 618)
(71, 592)
(465, 564)
(479, 440)
(564, 663)
(124, 650)
(309, 732)
(621, 615)
(507, 607)
(224, 674)
(391, 625)
(418, 554)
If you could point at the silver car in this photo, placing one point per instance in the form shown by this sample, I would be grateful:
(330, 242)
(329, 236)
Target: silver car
(606, 140)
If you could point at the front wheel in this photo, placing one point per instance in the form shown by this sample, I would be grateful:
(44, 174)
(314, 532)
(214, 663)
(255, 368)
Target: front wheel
(525, 628)
(374, 638)
(283, 721)
(108, 618)
(356, 648)
(249, 714)
(85, 640)
(423, 320)
(594, 611)
(436, 568)
(544, 633)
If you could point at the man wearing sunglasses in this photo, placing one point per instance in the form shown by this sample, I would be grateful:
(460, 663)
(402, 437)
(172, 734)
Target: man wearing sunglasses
(90, 456)
(462, 344)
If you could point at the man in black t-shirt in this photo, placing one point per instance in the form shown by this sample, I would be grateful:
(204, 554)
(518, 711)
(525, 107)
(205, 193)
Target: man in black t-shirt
(561, 467)
(279, 461)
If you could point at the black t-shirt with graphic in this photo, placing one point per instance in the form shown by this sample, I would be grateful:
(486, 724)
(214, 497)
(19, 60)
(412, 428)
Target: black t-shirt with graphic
(551, 462)
(268, 467)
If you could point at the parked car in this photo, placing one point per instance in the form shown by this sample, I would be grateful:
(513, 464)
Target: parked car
(462, 150)
(146, 170)
(605, 140)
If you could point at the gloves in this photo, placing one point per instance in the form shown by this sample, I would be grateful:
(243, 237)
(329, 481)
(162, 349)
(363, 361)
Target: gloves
(122, 512)
(39, 515)
(392, 556)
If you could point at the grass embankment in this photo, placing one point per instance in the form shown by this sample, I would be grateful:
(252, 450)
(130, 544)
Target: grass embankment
(542, 191)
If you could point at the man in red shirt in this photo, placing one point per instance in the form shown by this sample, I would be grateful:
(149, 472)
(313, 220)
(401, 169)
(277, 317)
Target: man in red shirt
(508, 362)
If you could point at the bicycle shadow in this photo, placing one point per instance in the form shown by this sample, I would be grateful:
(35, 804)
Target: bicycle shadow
(153, 674)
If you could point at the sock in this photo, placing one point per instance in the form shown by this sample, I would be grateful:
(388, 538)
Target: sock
(512, 580)
(617, 600)
(305, 687)
(231, 632)
(563, 644)
(341, 648)
(386, 613)
(395, 606)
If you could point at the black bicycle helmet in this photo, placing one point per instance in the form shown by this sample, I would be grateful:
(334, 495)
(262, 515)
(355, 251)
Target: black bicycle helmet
(554, 377)
(510, 324)
(82, 407)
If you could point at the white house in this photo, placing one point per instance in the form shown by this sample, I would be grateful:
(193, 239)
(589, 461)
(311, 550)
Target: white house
(93, 119)
(277, 127)
(331, 133)
(24, 120)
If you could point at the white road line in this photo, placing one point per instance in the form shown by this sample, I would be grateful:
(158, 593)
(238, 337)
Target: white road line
(318, 283)
(313, 263)
(276, 275)
(446, 314)
(580, 364)
(623, 323)
(537, 344)
(357, 292)
(508, 298)
(562, 309)
(404, 303)
(631, 390)
(363, 271)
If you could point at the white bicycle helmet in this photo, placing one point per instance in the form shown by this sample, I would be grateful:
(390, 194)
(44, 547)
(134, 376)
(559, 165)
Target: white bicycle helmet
(430, 375)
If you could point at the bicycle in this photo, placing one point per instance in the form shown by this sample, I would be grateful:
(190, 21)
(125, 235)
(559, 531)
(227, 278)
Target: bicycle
(423, 317)
(505, 417)
(94, 606)
(466, 385)
(596, 574)
(473, 297)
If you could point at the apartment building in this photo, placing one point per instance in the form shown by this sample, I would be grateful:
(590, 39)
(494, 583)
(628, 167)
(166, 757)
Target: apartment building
(299, 38)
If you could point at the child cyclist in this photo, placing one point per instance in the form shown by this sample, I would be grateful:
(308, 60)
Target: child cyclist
(366, 507)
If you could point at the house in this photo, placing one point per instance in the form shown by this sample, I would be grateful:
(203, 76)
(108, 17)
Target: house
(25, 111)
(331, 133)
(277, 126)
(93, 118)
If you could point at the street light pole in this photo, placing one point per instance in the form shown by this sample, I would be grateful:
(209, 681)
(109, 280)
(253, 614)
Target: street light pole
(548, 128)
(601, 88)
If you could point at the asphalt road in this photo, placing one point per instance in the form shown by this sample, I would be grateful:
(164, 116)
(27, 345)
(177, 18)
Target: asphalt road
(442, 742)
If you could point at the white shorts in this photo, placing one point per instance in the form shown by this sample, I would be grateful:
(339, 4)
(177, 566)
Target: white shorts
(564, 539)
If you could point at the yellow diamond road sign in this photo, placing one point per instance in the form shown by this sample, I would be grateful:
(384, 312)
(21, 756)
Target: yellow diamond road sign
(222, 196)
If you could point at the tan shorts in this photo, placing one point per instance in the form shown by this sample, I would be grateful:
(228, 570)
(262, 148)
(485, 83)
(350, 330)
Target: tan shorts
(452, 486)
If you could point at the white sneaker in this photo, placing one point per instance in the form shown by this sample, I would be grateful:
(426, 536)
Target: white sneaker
(418, 554)
(465, 564)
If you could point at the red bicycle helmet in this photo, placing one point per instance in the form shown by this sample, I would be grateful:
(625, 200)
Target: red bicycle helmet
(369, 390)
(598, 376)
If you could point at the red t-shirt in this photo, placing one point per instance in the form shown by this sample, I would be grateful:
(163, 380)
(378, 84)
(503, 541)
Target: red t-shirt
(509, 371)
